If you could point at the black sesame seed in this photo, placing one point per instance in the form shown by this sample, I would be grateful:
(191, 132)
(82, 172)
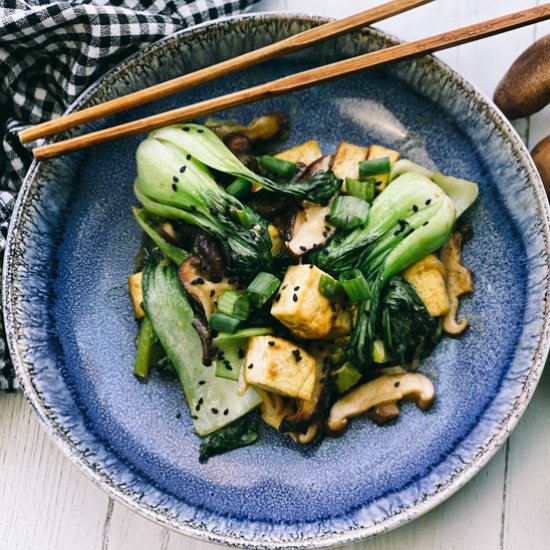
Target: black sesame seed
(194, 417)
(284, 286)
(325, 234)
(303, 248)
(198, 407)
(175, 179)
(212, 292)
(415, 208)
(197, 281)
(271, 343)
(174, 187)
(202, 382)
(297, 355)
(216, 279)
(396, 233)
(310, 266)
(396, 385)
(228, 365)
(294, 297)
(327, 228)
(425, 223)
(214, 211)
(183, 169)
(200, 131)
(188, 157)
(297, 287)
(226, 412)
(214, 410)
(251, 366)
(241, 353)
(186, 128)
(325, 252)
(207, 362)
(327, 217)
(428, 202)
(178, 415)
(278, 297)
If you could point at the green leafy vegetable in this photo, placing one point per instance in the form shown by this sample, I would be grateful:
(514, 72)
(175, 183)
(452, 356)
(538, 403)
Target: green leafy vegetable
(409, 331)
(171, 184)
(213, 402)
(240, 433)
(205, 146)
(147, 223)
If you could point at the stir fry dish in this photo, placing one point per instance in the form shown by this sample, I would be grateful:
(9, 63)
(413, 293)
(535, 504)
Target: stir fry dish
(300, 289)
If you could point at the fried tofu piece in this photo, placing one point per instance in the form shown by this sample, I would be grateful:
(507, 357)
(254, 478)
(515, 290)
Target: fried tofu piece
(427, 276)
(347, 159)
(136, 294)
(379, 152)
(300, 306)
(280, 366)
(307, 153)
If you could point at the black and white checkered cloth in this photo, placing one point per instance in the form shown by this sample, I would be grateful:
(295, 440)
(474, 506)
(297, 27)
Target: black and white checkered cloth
(51, 51)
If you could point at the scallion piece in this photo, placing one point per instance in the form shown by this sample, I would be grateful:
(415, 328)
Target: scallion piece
(364, 189)
(349, 212)
(144, 347)
(355, 285)
(239, 188)
(345, 377)
(329, 287)
(243, 334)
(278, 167)
(374, 167)
(223, 323)
(241, 217)
(261, 289)
(234, 304)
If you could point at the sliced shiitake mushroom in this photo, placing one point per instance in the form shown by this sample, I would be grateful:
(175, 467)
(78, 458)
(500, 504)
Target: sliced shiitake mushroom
(459, 279)
(263, 128)
(385, 390)
(205, 292)
(525, 88)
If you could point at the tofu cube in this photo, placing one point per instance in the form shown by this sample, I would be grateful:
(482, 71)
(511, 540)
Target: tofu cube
(300, 306)
(136, 294)
(280, 366)
(307, 153)
(427, 276)
(347, 159)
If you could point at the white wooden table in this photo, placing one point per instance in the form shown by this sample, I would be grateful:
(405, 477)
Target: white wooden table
(47, 504)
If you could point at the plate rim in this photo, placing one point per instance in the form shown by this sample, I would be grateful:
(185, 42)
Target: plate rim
(433, 499)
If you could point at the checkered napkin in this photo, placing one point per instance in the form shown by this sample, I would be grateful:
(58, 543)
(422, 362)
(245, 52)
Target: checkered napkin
(51, 51)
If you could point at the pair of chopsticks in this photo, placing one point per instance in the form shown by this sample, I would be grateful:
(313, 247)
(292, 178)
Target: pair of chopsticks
(277, 87)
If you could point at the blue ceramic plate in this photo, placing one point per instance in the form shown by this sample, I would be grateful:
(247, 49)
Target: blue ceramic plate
(71, 328)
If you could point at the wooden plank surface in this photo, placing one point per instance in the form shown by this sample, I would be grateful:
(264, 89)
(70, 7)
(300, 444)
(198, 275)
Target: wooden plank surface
(47, 504)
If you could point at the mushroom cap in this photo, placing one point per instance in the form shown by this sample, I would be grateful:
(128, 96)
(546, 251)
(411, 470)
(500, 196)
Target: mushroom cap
(541, 156)
(525, 88)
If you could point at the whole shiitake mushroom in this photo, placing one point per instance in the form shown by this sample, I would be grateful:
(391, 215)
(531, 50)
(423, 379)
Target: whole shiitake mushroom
(525, 88)
(541, 156)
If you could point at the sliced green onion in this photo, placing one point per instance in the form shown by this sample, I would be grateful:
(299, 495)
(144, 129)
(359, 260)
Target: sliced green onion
(261, 289)
(364, 189)
(223, 323)
(374, 167)
(349, 212)
(278, 167)
(329, 287)
(239, 188)
(355, 285)
(345, 377)
(235, 304)
(144, 347)
(243, 334)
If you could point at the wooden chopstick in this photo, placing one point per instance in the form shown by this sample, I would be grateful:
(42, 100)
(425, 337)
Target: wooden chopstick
(249, 59)
(301, 80)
